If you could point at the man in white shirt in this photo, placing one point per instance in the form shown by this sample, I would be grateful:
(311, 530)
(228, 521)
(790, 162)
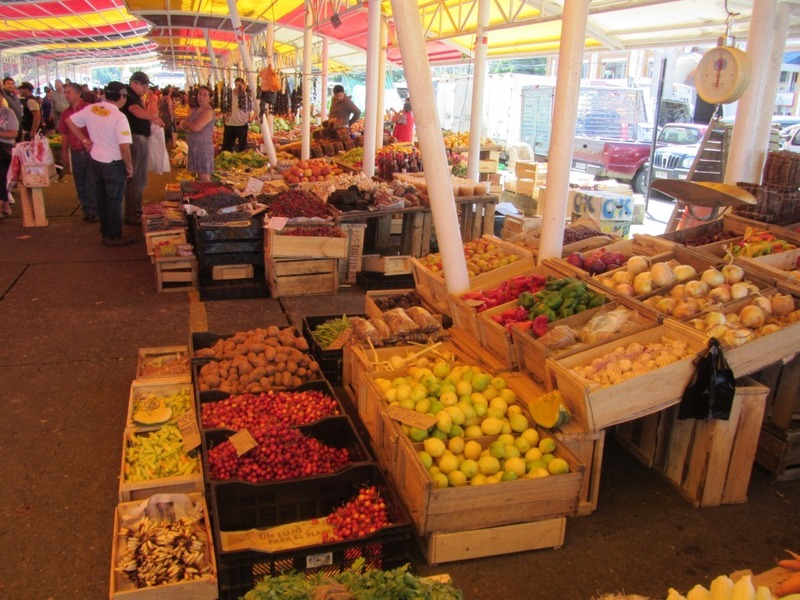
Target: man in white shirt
(109, 145)
(237, 119)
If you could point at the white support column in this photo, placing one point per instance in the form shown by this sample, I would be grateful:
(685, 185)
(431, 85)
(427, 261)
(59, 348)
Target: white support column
(381, 89)
(212, 57)
(323, 97)
(565, 108)
(478, 86)
(429, 132)
(373, 49)
(246, 61)
(305, 148)
(746, 158)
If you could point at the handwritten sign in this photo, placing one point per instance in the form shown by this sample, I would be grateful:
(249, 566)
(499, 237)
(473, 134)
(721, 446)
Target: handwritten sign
(290, 536)
(411, 417)
(253, 187)
(277, 223)
(187, 424)
(243, 441)
(340, 340)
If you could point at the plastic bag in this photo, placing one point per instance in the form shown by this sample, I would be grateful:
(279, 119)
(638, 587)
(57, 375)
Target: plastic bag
(157, 150)
(559, 337)
(384, 333)
(425, 320)
(399, 322)
(272, 81)
(604, 325)
(709, 394)
(364, 332)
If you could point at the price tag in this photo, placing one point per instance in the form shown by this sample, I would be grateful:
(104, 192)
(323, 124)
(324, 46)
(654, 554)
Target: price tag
(253, 187)
(187, 424)
(277, 223)
(243, 442)
(411, 417)
(341, 340)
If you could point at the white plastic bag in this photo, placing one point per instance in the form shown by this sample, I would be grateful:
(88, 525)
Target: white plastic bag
(157, 151)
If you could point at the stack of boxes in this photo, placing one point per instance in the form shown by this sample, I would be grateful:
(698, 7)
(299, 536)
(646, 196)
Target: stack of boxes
(531, 182)
(612, 209)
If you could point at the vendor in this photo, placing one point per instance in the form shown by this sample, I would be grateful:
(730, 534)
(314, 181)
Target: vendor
(343, 108)
(403, 123)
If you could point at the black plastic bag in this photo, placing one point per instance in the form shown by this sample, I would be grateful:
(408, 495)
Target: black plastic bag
(709, 394)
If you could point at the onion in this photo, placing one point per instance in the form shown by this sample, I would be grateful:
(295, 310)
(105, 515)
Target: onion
(624, 288)
(782, 304)
(739, 290)
(575, 259)
(733, 273)
(737, 337)
(752, 317)
(622, 276)
(684, 272)
(713, 278)
(678, 291)
(698, 324)
(666, 305)
(637, 264)
(718, 331)
(715, 318)
(662, 275)
(770, 328)
(733, 319)
(696, 289)
(686, 308)
(720, 294)
(642, 283)
(764, 304)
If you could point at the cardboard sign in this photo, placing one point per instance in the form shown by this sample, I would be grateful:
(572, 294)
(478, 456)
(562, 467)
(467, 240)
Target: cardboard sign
(290, 536)
(253, 187)
(277, 223)
(243, 441)
(187, 423)
(411, 417)
(341, 340)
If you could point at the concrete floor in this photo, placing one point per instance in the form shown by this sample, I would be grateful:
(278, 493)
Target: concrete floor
(73, 314)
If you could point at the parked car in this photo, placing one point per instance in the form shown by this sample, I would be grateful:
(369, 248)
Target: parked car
(790, 138)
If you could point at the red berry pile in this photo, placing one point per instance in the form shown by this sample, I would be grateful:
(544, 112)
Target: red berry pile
(250, 411)
(364, 514)
(282, 453)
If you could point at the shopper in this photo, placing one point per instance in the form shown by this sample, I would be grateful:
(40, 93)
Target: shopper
(404, 124)
(237, 119)
(60, 103)
(140, 120)
(109, 144)
(74, 154)
(343, 108)
(166, 110)
(47, 110)
(31, 111)
(12, 99)
(89, 96)
(199, 126)
(9, 131)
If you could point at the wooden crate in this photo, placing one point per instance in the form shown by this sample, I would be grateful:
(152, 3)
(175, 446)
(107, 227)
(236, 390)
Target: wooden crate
(468, 508)
(783, 401)
(777, 266)
(530, 170)
(444, 547)
(532, 354)
(163, 362)
(159, 387)
(350, 266)
(140, 490)
(202, 588)
(598, 407)
(174, 237)
(710, 462)
(646, 437)
(514, 225)
(779, 452)
(497, 339)
(227, 272)
(388, 265)
(431, 287)
(279, 245)
(288, 277)
(176, 273)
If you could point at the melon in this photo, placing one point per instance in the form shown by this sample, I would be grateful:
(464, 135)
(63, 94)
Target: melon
(151, 411)
(549, 411)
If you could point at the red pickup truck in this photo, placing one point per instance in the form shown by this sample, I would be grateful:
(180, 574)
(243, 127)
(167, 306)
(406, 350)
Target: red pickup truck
(625, 160)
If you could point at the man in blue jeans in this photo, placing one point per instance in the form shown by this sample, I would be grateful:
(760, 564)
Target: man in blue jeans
(74, 154)
(109, 144)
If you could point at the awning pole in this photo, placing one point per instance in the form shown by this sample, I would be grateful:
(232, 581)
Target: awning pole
(305, 151)
(565, 109)
(212, 56)
(371, 103)
(755, 108)
(429, 132)
(478, 86)
(381, 89)
(323, 97)
(246, 60)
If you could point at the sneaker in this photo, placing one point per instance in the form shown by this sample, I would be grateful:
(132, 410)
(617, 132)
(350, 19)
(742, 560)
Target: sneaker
(118, 241)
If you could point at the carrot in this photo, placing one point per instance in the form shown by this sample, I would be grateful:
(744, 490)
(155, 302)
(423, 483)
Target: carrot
(794, 555)
(791, 564)
(790, 585)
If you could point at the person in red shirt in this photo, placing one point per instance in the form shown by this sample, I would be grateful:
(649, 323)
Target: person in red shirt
(74, 154)
(404, 124)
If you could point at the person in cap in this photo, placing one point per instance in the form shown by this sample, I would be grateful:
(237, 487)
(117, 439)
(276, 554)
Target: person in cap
(109, 144)
(31, 111)
(239, 115)
(343, 109)
(140, 120)
(75, 156)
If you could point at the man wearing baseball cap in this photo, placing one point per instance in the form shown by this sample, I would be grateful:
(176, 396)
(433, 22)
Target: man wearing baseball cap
(109, 145)
(140, 120)
(31, 111)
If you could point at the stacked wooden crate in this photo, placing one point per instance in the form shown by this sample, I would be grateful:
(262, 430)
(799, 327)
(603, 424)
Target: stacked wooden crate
(531, 181)
(779, 442)
(302, 265)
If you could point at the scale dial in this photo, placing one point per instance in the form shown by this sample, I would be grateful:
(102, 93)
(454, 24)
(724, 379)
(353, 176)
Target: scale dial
(723, 75)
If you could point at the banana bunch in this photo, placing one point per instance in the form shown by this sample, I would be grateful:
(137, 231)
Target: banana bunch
(456, 140)
(158, 552)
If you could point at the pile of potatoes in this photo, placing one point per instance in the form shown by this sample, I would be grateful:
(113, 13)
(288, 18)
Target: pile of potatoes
(257, 360)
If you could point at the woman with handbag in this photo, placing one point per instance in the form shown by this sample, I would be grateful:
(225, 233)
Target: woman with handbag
(9, 129)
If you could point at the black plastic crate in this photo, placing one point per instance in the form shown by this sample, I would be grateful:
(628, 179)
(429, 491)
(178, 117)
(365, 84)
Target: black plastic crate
(378, 281)
(261, 506)
(319, 385)
(338, 432)
(330, 361)
(233, 289)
